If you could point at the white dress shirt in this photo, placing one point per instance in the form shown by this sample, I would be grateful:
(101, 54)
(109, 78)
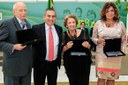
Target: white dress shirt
(55, 38)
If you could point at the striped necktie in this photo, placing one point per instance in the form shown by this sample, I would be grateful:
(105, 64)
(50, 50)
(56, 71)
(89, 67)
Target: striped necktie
(23, 25)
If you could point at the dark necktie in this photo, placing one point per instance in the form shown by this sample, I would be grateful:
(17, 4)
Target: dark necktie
(23, 24)
(51, 45)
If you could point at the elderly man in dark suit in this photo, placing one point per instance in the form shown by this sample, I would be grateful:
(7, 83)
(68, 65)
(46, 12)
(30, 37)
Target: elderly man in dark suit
(47, 53)
(17, 60)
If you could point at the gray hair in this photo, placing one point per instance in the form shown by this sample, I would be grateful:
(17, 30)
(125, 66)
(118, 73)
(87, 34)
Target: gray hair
(17, 3)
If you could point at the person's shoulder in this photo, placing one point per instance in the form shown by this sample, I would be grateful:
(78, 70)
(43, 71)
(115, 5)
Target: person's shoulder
(86, 28)
(8, 20)
(121, 22)
(38, 25)
(65, 33)
(78, 30)
(58, 27)
(99, 21)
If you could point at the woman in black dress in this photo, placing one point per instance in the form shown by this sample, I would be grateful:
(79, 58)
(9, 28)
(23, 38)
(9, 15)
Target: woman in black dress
(77, 65)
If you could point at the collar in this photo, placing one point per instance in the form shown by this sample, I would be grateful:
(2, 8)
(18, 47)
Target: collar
(47, 26)
(19, 20)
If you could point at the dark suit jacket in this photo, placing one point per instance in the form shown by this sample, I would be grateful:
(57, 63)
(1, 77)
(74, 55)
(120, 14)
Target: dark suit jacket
(86, 31)
(39, 50)
(16, 63)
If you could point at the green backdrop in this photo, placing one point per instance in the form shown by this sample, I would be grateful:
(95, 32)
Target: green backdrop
(85, 11)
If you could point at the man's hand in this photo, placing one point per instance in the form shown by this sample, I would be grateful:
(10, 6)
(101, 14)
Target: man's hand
(19, 47)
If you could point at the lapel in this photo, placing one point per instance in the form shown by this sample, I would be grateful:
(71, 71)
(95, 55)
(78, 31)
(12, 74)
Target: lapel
(43, 33)
(17, 25)
(27, 24)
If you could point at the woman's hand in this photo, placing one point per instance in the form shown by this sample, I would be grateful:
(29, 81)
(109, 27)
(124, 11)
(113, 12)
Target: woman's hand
(69, 44)
(101, 41)
(86, 44)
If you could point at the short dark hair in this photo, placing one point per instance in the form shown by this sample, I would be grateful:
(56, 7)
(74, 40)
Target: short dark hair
(49, 9)
(82, 22)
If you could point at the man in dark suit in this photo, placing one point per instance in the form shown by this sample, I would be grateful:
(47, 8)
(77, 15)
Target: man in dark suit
(17, 60)
(82, 24)
(44, 66)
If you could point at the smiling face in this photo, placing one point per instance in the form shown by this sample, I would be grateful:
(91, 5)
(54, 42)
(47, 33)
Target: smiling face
(50, 17)
(71, 24)
(110, 13)
(20, 10)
